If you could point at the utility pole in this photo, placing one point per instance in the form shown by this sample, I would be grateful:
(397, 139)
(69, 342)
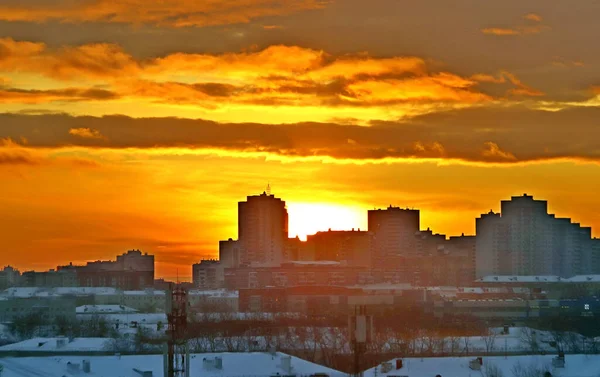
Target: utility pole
(361, 330)
(177, 353)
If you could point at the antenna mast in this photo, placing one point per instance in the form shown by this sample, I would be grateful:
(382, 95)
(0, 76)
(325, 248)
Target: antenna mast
(268, 189)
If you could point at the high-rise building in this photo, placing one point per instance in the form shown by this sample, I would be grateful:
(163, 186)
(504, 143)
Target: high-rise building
(229, 253)
(208, 274)
(525, 240)
(262, 230)
(393, 232)
(9, 277)
(353, 247)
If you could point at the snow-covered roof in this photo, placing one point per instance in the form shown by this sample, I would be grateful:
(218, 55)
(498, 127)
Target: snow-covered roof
(539, 279)
(86, 290)
(25, 292)
(233, 365)
(575, 366)
(58, 345)
(521, 279)
(142, 318)
(104, 309)
(21, 292)
(147, 292)
(317, 263)
(584, 278)
(214, 293)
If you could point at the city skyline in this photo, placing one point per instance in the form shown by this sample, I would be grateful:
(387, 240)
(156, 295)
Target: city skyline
(181, 272)
(138, 123)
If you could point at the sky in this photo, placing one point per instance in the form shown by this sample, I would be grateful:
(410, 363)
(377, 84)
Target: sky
(141, 124)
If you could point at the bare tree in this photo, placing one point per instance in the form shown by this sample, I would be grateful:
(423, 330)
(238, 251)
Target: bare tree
(453, 343)
(466, 344)
(489, 339)
(528, 338)
(492, 370)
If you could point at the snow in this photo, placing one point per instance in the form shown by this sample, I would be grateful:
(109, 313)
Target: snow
(26, 292)
(54, 345)
(584, 278)
(150, 292)
(234, 364)
(316, 263)
(85, 291)
(214, 293)
(104, 309)
(576, 366)
(522, 279)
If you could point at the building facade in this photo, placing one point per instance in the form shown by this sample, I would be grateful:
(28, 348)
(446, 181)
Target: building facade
(9, 277)
(262, 230)
(524, 239)
(393, 232)
(208, 274)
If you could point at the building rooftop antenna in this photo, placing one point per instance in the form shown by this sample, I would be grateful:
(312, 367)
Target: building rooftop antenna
(268, 189)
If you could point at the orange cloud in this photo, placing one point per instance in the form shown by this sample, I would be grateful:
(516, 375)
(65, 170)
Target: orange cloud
(86, 133)
(12, 95)
(533, 17)
(494, 152)
(520, 29)
(530, 135)
(500, 31)
(277, 75)
(169, 13)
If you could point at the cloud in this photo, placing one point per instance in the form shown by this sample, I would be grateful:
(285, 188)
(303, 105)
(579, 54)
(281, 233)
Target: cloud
(533, 17)
(273, 76)
(12, 153)
(478, 135)
(493, 151)
(86, 133)
(13, 95)
(168, 13)
(533, 27)
(500, 31)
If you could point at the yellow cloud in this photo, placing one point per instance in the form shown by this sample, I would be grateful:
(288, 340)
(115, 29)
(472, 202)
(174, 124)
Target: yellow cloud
(169, 13)
(86, 133)
(524, 29)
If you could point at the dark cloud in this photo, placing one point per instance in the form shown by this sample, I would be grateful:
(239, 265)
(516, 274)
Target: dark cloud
(7, 158)
(501, 135)
(8, 95)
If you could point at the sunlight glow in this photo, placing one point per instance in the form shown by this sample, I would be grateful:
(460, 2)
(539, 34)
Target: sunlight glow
(309, 218)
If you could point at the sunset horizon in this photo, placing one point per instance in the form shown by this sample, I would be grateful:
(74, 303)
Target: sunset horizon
(136, 124)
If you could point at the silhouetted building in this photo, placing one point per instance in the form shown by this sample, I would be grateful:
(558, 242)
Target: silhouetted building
(294, 273)
(63, 277)
(353, 248)
(229, 253)
(131, 271)
(525, 240)
(9, 277)
(208, 274)
(262, 230)
(393, 231)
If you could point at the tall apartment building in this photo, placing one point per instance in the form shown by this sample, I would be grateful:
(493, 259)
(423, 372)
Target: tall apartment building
(525, 240)
(208, 274)
(353, 247)
(9, 277)
(229, 253)
(262, 230)
(393, 232)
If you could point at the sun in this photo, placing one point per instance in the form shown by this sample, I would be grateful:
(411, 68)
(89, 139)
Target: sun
(308, 218)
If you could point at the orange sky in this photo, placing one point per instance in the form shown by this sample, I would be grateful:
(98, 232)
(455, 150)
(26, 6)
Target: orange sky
(141, 124)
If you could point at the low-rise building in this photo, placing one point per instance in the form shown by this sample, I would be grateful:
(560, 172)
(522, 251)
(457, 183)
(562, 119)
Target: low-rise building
(208, 274)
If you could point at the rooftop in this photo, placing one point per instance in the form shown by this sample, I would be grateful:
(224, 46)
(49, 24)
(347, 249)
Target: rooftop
(104, 309)
(233, 364)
